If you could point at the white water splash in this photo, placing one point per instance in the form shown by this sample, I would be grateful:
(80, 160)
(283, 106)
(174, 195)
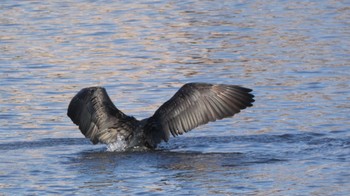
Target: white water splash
(117, 146)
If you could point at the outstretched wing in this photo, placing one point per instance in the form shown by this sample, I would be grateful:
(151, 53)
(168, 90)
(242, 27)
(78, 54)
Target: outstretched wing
(97, 117)
(196, 104)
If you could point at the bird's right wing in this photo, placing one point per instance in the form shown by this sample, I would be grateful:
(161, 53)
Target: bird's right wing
(196, 104)
(97, 117)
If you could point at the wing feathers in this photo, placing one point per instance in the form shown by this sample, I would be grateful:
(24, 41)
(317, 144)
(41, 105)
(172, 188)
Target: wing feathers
(97, 117)
(196, 104)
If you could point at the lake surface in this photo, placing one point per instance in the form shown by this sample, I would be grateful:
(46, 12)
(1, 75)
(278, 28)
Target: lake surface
(295, 140)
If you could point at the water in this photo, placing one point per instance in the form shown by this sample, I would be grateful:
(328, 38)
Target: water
(295, 55)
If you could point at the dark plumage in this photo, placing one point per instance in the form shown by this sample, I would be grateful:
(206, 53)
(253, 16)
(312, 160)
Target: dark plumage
(192, 105)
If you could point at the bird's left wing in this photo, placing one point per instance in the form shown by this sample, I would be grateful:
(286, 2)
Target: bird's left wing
(196, 104)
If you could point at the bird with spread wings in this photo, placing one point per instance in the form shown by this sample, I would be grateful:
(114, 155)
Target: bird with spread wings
(194, 104)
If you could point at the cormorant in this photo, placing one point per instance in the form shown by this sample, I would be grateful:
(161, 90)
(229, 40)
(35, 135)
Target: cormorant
(192, 105)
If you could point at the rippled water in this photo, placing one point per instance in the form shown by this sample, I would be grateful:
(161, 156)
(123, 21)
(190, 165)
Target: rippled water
(295, 55)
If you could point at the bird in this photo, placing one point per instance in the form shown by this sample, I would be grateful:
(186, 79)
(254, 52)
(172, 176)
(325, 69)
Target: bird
(194, 104)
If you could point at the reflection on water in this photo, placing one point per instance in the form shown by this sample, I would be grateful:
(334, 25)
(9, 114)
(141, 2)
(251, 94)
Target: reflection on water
(295, 140)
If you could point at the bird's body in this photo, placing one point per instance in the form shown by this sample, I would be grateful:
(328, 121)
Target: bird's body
(193, 105)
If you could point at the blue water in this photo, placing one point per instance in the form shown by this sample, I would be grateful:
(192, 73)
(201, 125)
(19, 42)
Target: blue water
(295, 140)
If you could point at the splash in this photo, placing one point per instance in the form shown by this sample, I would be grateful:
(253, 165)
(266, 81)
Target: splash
(117, 146)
